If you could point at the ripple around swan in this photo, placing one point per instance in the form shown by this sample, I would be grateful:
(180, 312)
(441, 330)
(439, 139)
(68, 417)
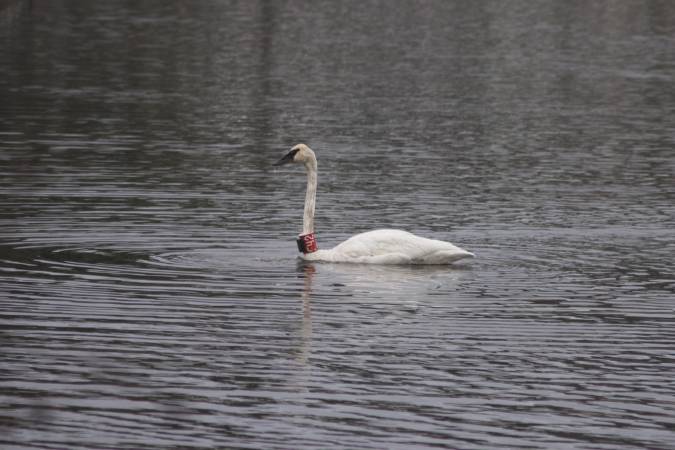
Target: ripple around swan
(200, 339)
(193, 336)
(245, 257)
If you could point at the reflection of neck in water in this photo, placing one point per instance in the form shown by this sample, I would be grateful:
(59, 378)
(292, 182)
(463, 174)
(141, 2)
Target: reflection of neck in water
(306, 341)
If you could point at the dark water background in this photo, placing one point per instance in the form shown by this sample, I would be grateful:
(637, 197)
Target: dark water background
(150, 292)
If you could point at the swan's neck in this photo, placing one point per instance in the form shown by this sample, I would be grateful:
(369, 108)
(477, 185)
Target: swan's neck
(310, 198)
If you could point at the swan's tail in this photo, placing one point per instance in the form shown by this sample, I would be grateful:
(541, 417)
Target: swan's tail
(446, 257)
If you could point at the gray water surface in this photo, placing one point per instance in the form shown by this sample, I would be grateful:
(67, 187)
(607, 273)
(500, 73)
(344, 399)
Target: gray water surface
(151, 295)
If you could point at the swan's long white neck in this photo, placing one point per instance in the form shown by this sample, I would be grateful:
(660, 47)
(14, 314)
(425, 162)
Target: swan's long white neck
(310, 197)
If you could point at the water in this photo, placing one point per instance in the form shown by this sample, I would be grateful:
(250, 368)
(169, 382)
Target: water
(151, 295)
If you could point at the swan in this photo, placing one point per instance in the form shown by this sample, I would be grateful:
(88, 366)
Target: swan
(372, 247)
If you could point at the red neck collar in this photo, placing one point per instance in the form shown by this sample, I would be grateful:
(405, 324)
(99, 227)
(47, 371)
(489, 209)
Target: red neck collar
(307, 243)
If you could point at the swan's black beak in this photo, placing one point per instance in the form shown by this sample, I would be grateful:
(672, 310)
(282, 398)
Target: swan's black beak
(288, 158)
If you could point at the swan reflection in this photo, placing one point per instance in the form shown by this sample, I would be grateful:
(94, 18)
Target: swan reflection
(308, 271)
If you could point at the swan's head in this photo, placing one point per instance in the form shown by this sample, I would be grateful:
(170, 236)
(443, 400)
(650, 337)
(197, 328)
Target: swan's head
(299, 154)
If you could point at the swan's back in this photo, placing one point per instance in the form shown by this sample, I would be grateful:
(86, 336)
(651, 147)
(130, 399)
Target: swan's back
(391, 247)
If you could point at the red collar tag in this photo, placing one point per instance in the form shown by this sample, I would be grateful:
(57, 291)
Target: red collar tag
(307, 243)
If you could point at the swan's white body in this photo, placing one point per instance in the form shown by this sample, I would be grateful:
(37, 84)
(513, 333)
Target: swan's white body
(390, 247)
(372, 247)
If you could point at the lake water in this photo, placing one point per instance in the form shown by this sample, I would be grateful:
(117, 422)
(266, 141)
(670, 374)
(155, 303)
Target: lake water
(151, 295)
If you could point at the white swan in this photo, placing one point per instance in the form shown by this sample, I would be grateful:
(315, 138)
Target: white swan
(372, 247)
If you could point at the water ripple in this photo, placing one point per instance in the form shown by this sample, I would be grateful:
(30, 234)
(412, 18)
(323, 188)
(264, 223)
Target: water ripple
(150, 292)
